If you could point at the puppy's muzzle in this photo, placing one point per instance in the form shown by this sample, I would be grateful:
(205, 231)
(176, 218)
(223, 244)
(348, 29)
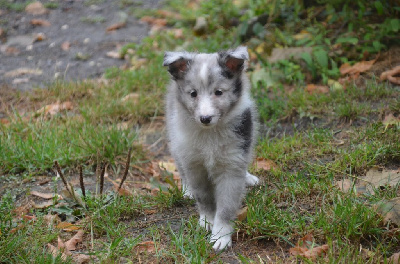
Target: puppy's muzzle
(205, 119)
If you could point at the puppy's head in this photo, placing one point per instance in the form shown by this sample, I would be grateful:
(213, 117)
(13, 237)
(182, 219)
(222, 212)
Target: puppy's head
(208, 85)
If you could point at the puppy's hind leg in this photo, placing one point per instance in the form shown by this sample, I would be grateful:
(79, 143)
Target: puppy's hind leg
(251, 180)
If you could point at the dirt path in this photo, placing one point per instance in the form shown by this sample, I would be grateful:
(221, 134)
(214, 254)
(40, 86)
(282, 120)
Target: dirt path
(74, 45)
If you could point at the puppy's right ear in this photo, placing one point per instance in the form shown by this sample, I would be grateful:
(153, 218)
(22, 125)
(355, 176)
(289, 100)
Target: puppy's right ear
(178, 63)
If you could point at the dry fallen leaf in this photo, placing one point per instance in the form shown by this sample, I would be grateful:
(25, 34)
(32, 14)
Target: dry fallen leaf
(344, 185)
(67, 226)
(147, 246)
(169, 14)
(320, 89)
(55, 252)
(265, 164)
(391, 120)
(23, 71)
(394, 259)
(55, 108)
(132, 97)
(43, 205)
(44, 195)
(375, 179)
(390, 210)
(77, 238)
(116, 26)
(65, 249)
(114, 54)
(154, 21)
(36, 8)
(357, 68)
(40, 22)
(305, 248)
(65, 46)
(391, 75)
(242, 214)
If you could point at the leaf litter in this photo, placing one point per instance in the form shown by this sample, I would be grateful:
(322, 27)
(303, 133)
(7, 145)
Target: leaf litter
(307, 248)
(377, 180)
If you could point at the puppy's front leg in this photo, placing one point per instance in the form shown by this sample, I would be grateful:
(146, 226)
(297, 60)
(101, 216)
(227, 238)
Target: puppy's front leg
(202, 191)
(229, 191)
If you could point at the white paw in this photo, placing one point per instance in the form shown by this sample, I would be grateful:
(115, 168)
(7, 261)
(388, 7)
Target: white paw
(221, 235)
(251, 180)
(206, 222)
(222, 243)
(186, 192)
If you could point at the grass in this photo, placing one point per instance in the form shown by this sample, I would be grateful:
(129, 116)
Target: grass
(315, 140)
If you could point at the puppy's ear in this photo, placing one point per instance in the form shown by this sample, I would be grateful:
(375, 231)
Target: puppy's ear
(233, 61)
(178, 63)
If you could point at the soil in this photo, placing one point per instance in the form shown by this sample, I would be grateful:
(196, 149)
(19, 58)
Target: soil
(74, 45)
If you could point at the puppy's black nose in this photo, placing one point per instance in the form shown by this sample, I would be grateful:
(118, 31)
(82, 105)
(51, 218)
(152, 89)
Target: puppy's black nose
(205, 119)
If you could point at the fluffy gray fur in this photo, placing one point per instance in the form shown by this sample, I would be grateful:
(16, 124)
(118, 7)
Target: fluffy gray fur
(212, 124)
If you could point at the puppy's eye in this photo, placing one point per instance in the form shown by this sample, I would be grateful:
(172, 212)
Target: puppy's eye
(218, 92)
(193, 94)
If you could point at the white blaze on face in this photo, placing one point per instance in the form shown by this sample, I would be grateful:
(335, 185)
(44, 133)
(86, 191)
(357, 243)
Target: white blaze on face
(203, 74)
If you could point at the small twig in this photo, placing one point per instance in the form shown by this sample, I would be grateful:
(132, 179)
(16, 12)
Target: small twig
(69, 186)
(103, 171)
(128, 161)
(81, 181)
(58, 168)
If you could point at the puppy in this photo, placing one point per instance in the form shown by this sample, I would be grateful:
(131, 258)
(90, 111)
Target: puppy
(211, 125)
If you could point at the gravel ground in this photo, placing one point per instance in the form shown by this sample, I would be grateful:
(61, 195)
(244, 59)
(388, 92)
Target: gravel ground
(73, 47)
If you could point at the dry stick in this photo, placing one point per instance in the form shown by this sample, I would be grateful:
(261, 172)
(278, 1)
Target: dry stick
(62, 177)
(128, 161)
(81, 181)
(69, 186)
(103, 170)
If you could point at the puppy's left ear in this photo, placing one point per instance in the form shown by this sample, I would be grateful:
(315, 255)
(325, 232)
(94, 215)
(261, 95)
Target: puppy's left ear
(233, 61)
(178, 63)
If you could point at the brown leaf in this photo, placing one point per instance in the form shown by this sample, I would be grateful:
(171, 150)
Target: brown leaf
(67, 226)
(169, 14)
(55, 252)
(394, 259)
(77, 238)
(36, 8)
(305, 248)
(132, 97)
(242, 214)
(51, 220)
(81, 259)
(65, 45)
(40, 22)
(391, 120)
(390, 75)
(154, 21)
(357, 68)
(149, 211)
(44, 195)
(265, 164)
(23, 71)
(320, 89)
(116, 26)
(344, 185)
(43, 205)
(114, 54)
(55, 108)
(314, 253)
(374, 179)
(390, 210)
(147, 246)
